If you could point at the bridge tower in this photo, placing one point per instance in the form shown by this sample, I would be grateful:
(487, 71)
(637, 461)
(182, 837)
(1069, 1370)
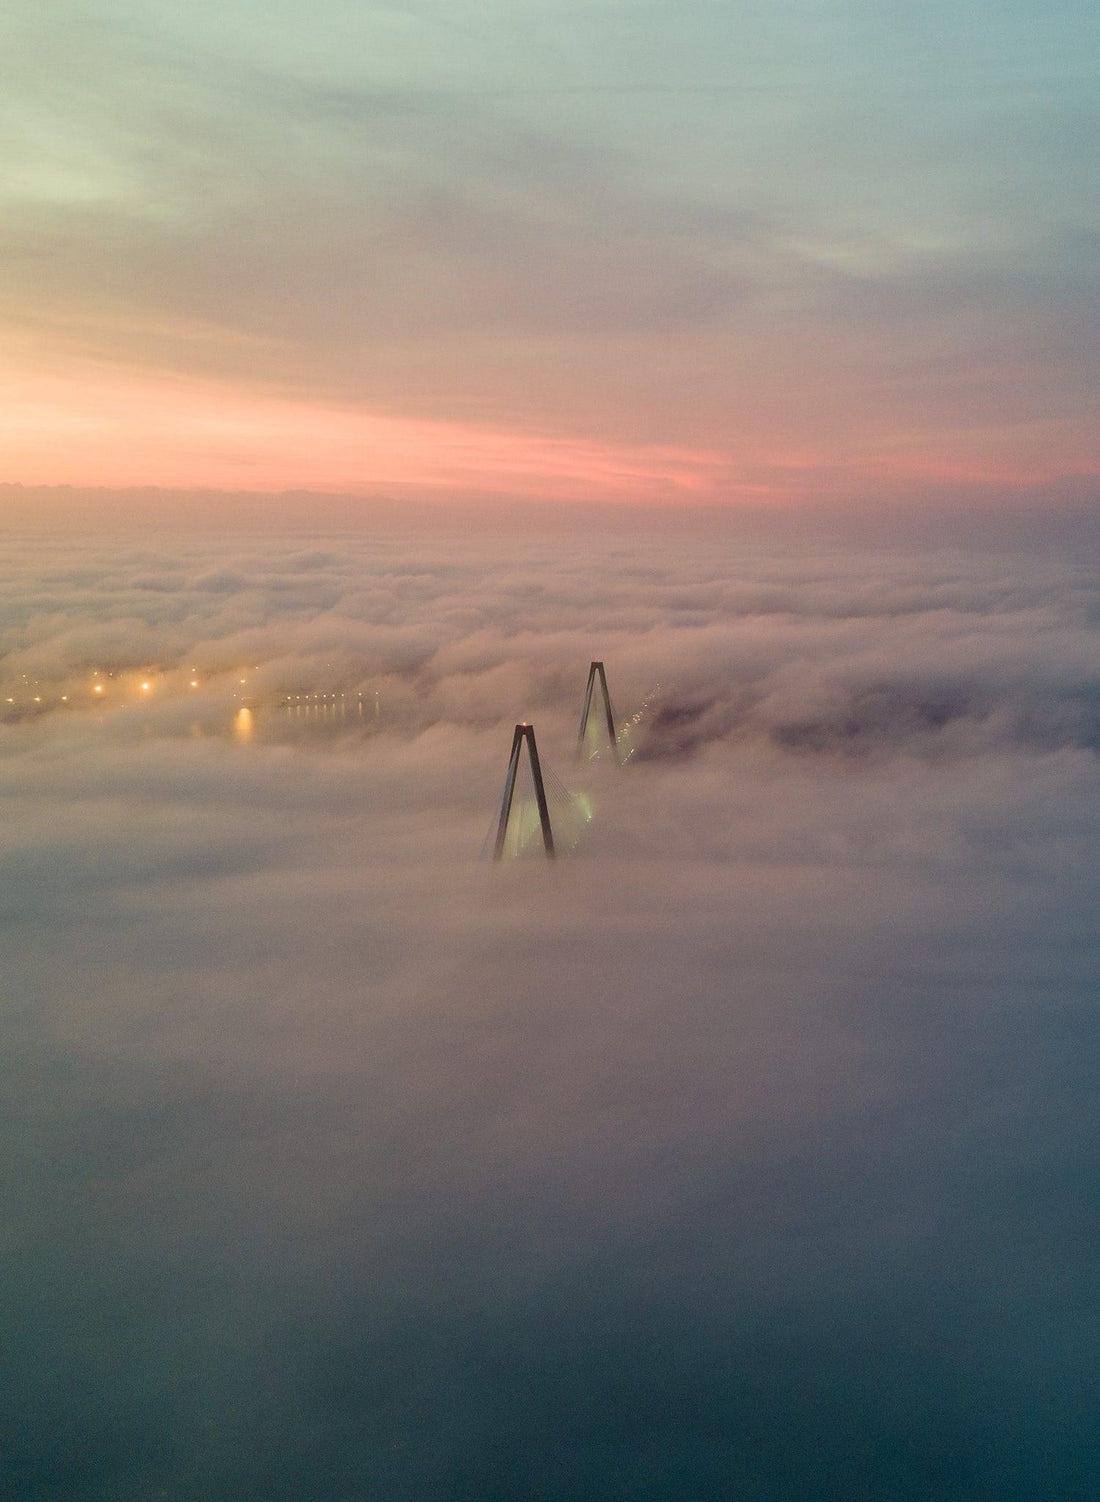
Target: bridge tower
(524, 735)
(596, 674)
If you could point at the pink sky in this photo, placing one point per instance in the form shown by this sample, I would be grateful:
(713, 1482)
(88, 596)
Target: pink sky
(671, 254)
(98, 427)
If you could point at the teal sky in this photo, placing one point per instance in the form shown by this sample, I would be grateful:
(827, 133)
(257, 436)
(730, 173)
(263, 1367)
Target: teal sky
(727, 250)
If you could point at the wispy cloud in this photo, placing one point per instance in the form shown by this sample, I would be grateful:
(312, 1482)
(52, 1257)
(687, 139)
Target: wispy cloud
(868, 241)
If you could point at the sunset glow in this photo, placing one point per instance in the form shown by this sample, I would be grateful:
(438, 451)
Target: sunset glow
(671, 254)
(106, 431)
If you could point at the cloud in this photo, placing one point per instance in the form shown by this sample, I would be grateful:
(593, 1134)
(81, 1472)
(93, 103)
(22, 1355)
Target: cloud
(748, 1147)
(839, 254)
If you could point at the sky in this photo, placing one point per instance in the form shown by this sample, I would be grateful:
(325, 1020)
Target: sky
(747, 1150)
(720, 252)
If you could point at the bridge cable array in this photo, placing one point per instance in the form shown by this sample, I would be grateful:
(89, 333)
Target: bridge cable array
(529, 819)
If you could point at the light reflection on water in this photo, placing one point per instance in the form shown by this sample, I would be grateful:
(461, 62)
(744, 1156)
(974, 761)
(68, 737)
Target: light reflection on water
(304, 719)
(262, 718)
(260, 722)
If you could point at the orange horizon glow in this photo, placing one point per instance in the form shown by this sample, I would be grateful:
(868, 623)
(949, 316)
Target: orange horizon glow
(108, 431)
(103, 430)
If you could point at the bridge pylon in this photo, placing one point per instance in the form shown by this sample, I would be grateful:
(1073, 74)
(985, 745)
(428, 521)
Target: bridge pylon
(524, 735)
(597, 676)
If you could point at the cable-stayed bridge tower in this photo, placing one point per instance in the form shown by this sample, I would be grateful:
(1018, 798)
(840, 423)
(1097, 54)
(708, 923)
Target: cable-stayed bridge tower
(589, 732)
(524, 735)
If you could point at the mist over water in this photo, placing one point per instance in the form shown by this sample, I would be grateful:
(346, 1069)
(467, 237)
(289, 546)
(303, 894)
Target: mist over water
(747, 1150)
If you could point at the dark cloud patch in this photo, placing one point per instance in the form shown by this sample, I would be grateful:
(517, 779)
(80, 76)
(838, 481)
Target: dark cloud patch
(221, 581)
(890, 719)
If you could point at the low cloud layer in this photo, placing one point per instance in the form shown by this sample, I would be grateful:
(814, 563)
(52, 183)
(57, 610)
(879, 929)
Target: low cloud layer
(747, 1149)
